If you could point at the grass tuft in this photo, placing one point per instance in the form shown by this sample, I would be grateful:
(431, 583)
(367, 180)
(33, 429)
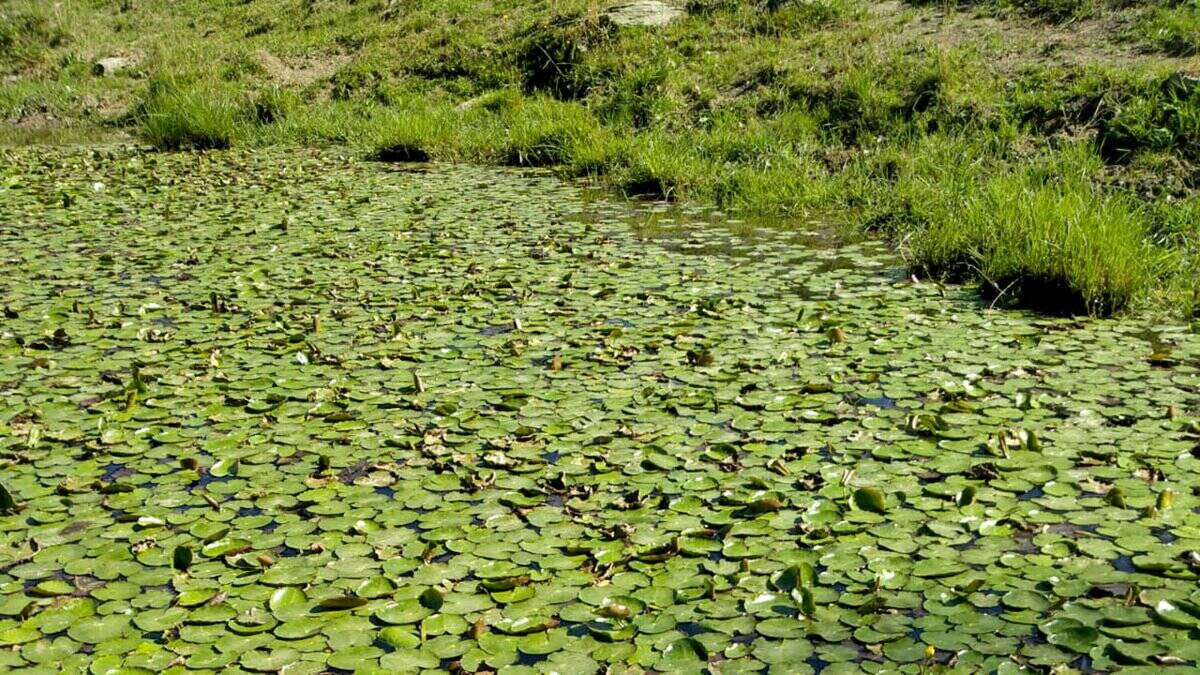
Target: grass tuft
(27, 36)
(1047, 10)
(273, 104)
(1040, 237)
(551, 54)
(1056, 10)
(1172, 29)
(545, 132)
(1163, 116)
(408, 135)
(196, 114)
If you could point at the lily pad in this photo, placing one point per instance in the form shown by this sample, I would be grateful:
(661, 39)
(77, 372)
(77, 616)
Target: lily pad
(869, 499)
(98, 629)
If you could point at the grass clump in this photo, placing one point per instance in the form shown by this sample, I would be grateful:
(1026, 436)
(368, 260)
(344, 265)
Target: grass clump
(1060, 247)
(659, 167)
(1174, 28)
(196, 114)
(502, 127)
(182, 112)
(272, 105)
(546, 132)
(408, 135)
(1042, 236)
(1046, 10)
(1055, 10)
(27, 35)
(1162, 115)
(551, 55)
(781, 17)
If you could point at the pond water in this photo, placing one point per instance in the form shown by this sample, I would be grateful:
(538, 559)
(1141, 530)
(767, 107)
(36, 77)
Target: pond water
(290, 410)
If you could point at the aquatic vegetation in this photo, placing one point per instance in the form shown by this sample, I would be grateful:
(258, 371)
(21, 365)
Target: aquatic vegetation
(290, 411)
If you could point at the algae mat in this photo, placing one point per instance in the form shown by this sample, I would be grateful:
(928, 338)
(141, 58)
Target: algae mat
(292, 412)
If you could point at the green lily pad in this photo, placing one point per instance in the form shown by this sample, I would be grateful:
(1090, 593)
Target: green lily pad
(1071, 635)
(355, 658)
(638, 438)
(681, 655)
(869, 499)
(402, 612)
(269, 662)
(94, 630)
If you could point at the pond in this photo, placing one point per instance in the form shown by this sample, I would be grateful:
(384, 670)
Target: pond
(290, 411)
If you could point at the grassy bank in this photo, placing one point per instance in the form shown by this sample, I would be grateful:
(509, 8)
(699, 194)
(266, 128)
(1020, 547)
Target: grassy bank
(1046, 150)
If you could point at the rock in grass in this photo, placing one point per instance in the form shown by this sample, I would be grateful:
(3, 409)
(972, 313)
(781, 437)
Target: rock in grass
(112, 65)
(643, 13)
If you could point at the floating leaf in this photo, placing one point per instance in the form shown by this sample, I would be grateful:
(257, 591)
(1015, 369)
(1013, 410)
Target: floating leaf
(284, 597)
(7, 503)
(52, 588)
(375, 587)
(254, 394)
(273, 661)
(1178, 614)
(768, 504)
(402, 612)
(339, 602)
(398, 637)
(869, 499)
(794, 578)
(682, 654)
(1070, 634)
(181, 559)
(431, 599)
(611, 630)
(966, 496)
(96, 630)
(355, 658)
(621, 607)
(224, 468)
(225, 547)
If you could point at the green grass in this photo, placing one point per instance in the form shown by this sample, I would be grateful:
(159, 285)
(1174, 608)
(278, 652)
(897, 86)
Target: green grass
(408, 135)
(1042, 236)
(191, 115)
(545, 132)
(829, 109)
(28, 35)
(1055, 10)
(1174, 28)
(1047, 10)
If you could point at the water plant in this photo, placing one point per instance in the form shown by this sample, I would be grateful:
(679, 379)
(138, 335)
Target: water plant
(534, 429)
